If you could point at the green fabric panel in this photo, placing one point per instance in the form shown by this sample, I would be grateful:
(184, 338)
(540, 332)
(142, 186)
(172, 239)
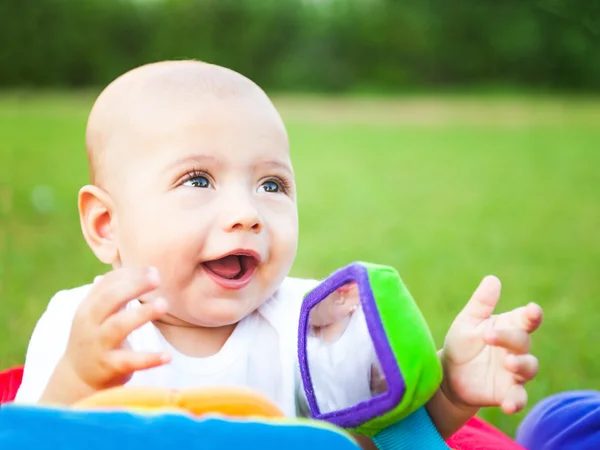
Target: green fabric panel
(411, 342)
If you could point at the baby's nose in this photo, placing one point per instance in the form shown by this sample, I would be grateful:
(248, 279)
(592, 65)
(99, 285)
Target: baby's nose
(245, 218)
(249, 225)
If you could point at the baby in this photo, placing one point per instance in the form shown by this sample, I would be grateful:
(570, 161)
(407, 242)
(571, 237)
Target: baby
(192, 202)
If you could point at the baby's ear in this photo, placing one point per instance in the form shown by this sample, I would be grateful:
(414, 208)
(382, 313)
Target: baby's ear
(96, 216)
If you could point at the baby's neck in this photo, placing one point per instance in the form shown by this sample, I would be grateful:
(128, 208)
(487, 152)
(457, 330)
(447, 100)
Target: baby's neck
(198, 342)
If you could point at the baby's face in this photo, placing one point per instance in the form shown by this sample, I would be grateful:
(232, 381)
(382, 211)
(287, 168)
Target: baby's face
(206, 194)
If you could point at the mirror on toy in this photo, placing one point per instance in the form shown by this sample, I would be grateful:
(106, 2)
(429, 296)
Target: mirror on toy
(344, 366)
(367, 357)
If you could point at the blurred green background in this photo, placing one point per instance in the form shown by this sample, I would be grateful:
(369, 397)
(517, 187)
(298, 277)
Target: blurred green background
(448, 139)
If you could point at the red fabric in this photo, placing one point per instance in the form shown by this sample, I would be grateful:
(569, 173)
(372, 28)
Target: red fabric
(480, 435)
(10, 380)
(475, 435)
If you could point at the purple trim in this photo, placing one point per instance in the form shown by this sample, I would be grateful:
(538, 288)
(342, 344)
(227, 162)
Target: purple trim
(369, 409)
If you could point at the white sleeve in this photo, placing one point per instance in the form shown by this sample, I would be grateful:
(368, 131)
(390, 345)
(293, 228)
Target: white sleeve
(48, 343)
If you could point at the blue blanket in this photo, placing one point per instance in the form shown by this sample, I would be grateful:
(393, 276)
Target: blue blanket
(28, 428)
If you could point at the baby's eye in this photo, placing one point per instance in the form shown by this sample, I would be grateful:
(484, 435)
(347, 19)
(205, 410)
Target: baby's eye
(270, 186)
(198, 181)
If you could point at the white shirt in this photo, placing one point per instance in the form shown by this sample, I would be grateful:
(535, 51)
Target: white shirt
(261, 353)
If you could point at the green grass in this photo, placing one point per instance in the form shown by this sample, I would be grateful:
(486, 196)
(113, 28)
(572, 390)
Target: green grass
(445, 190)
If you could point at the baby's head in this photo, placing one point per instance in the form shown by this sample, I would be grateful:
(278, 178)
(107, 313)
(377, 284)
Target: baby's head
(191, 173)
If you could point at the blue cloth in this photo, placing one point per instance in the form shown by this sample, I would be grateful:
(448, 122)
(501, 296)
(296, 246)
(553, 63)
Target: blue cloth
(29, 428)
(569, 420)
(414, 432)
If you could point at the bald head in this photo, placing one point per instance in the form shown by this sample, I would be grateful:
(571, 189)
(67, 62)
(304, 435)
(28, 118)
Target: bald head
(156, 95)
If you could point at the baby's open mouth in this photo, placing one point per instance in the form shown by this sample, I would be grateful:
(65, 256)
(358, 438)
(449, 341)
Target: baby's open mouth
(232, 271)
(232, 267)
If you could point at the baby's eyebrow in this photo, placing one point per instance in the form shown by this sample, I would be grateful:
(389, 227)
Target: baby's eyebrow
(199, 160)
(276, 165)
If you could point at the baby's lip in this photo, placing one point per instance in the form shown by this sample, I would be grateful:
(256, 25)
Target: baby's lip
(240, 252)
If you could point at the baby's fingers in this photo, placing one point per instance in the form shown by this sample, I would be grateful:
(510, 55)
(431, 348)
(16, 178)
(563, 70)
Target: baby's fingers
(118, 326)
(515, 399)
(525, 367)
(127, 361)
(117, 288)
(532, 317)
(512, 339)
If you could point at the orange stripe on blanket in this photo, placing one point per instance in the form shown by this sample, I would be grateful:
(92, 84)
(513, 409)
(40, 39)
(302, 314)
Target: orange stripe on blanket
(228, 401)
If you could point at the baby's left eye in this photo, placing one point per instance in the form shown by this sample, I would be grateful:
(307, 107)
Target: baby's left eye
(270, 186)
(198, 181)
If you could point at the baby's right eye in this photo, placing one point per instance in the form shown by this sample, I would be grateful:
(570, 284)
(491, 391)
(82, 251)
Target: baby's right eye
(198, 181)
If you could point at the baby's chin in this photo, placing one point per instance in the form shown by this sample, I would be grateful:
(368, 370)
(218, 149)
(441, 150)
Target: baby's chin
(215, 312)
(203, 303)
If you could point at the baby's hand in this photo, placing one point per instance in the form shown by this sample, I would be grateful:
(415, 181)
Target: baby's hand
(486, 357)
(96, 357)
(486, 360)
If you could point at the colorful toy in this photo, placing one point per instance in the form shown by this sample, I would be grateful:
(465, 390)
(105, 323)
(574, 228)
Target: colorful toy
(68, 429)
(402, 341)
(34, 428)
(151, 418)
(230, 401)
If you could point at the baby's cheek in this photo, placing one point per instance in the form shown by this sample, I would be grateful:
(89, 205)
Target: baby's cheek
(285, 244)
(134, 250)
(278, 267)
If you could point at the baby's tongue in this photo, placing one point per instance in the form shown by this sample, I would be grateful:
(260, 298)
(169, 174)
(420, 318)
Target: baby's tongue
(227, 267)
